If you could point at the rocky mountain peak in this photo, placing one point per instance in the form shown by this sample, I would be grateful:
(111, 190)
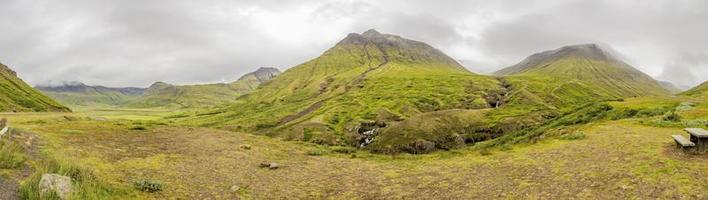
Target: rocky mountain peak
(7, 69)
(398, 48)
(262, 74)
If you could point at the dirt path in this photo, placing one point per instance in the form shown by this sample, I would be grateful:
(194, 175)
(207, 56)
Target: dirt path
(8, 189)
(9, 186)
(616, 161)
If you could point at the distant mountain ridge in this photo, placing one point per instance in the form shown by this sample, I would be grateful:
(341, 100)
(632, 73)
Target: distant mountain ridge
(77, 93)
(161, 94)
(75, 86)
(671, 87)
(587, 68)
(698, 91)
(16, 95)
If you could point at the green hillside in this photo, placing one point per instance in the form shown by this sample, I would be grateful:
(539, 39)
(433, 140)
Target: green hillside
(581, 73)
(189, 96)
(363, 79)
(79, 94)
(698, 91)
(16, 95)
(390, 94)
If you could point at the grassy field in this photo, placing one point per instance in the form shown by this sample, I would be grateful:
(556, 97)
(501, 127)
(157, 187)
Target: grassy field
(107, 151)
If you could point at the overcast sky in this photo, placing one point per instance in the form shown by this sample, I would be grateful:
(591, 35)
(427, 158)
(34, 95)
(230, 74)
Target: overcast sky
(138, 42)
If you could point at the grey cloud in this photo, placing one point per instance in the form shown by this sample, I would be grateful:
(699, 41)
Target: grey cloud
(687, 70)
(135, 42)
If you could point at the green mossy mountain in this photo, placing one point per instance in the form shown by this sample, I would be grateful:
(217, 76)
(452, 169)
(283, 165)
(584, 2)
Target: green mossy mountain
(390, 94)
(575, 74)
(162, 94)
(79, 94)
(698, 91)
(17, 96)
(363, 78)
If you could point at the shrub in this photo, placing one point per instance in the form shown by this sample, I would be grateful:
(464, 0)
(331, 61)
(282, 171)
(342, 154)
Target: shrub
(344, 150)
(672, 117)
(485, 152)
(505, 147)
(265, 125)
(623, 113)
(650, 112)
(420, 146)
(685, 106)
(11, 155)
(448, 142)
(316, 152)
(574, 136)
(147, 185)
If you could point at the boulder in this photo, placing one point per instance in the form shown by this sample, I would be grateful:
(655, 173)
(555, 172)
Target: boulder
(60, 185)
(269, 165)
(273, 166)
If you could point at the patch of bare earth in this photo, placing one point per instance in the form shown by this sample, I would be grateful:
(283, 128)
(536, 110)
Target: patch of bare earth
(616, 161)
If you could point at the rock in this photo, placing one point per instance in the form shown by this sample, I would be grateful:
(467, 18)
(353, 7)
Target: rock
(100, 119)
(269, 165)
(245, 146)
(61, 185)
(265, 164)
(235, 188)
(273, 166)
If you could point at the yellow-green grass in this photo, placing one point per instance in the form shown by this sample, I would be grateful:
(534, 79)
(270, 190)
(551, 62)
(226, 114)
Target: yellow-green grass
(616, 159)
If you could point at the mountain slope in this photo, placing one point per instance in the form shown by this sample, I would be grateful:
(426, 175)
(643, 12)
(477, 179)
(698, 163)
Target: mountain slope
(363, 78)
(671, 87)
(79, 94)
(186, 96)
(16, 95)
(698, 91)
(577, 73)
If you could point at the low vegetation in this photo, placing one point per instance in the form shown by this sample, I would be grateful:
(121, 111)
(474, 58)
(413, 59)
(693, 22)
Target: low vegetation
(206, 163)
(85, 184)
(147, 185)
(12, 155)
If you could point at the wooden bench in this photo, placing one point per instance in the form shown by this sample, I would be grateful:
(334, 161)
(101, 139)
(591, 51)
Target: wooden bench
(5, 128)
(682, 142)
(3, 131)
(699, 137)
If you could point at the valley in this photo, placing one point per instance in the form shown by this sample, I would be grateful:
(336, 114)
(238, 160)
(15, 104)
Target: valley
(376, 116)
(624, 158)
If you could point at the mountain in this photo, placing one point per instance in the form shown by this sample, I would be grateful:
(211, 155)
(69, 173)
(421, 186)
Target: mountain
(80, 94)
(574, 74)
(16, 95)
(364, 82)
(671, 87)
(161, 94)
(698, 91)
